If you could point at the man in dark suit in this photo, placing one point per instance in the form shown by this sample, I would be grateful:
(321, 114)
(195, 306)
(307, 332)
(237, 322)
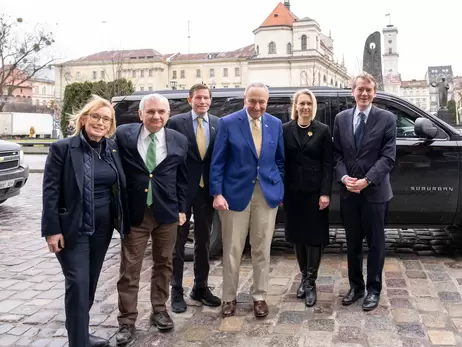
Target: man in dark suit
(200, 128)
(364, 155)
(154, 160)
(246, 180)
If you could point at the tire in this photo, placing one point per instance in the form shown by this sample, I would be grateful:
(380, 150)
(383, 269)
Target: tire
(215, 239)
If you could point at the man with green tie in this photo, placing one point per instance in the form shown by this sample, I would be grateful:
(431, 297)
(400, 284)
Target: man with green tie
(154, 161)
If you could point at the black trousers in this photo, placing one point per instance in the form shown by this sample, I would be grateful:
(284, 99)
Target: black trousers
(202, 208)
(81, 267)
(364, 219)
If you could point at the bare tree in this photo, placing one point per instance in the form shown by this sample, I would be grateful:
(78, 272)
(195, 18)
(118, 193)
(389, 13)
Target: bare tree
(20, 58)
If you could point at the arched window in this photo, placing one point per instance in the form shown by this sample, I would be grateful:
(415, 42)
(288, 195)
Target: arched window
(272, 48)
(289, 48)
(304, 43)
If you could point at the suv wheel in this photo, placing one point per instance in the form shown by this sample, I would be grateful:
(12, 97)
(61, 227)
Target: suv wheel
(215, 239)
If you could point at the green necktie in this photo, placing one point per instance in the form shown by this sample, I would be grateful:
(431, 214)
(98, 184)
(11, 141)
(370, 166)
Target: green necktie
(151, 165)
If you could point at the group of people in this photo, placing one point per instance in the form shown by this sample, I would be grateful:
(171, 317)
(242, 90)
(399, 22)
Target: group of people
(146, 180)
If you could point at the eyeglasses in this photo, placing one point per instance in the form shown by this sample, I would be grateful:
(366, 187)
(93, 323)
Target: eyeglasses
(96, 117)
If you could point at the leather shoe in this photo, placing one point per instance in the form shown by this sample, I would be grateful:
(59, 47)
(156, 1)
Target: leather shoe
(161, 320)
(228, 309)
(260, 308)
(301, 289)
(96, 341)
(352, 296)
(371, 301)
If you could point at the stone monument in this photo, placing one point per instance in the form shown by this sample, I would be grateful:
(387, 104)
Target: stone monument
(372, 58)
(443, 87)
(443, 112)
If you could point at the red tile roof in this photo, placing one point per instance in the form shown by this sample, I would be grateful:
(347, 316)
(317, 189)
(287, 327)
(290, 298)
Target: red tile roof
(280, 16)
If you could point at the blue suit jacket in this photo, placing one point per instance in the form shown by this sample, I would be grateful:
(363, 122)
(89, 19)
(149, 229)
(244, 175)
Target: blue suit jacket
(376, 157)
(235, 166)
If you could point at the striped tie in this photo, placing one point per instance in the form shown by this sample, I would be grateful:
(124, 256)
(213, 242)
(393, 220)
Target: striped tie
(360, 131)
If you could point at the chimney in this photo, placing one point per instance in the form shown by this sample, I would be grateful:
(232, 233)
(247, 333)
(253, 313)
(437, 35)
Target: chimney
(287, 4)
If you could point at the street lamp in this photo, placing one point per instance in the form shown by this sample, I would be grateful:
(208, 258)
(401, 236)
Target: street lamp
(173, 84)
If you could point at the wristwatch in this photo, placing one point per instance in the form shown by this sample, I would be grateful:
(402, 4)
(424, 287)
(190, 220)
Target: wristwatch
(369, 182)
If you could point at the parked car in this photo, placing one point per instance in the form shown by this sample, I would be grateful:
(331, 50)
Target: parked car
(13, 171)
(426, 176)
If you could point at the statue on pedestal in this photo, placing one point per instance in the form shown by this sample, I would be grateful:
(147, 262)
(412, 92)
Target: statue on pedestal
(443, 88)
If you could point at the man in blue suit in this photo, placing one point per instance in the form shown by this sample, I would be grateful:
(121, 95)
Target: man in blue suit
(246, 181)
(364, 155)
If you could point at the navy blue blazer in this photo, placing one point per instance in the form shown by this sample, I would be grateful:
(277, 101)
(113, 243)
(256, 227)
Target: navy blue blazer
(376, 157)
(196, 166)
(235, 165)
(168, 180)
(63, 184)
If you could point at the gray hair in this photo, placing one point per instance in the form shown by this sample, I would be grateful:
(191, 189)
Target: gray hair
(256, 85)
(156, 97)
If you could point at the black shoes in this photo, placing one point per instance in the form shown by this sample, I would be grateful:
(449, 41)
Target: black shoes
(352, 296)
(96, 341)
(301, 288)
(310, 294)
(205, 296)
(177, 301)
(371, 302)
(161, 320)
(126, 335)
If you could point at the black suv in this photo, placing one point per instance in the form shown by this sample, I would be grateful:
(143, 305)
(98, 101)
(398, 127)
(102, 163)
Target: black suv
(13, 172)
(426, 176)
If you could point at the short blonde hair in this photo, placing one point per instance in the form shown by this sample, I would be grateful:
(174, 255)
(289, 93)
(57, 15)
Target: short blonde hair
(364, 76)
(294, 114)
(96, 102)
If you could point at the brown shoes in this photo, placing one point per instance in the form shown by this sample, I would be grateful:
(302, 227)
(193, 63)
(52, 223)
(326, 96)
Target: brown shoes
(228, 309)
(260, 308)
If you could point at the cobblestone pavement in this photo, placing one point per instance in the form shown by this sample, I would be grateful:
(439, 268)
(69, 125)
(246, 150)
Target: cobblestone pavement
(421, 301)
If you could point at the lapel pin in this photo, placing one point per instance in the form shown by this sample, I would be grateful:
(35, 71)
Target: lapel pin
(310, 133)
(266, 125)
(114, 150)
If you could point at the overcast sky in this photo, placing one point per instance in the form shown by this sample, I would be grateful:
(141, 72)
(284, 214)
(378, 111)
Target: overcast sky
(428, 35)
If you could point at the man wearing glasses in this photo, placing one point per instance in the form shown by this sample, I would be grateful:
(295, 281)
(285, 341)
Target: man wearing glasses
(154, 160)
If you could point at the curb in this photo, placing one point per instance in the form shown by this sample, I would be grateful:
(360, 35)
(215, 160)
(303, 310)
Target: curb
(35, 170)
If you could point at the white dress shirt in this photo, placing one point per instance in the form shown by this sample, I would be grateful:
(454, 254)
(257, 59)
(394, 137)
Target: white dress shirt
(161, 144)
(357, 118)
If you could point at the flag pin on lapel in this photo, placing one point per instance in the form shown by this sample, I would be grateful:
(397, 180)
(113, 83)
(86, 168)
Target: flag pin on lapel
(310, 133)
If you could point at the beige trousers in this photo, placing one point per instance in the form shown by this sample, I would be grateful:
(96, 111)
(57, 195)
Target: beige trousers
(258, 219)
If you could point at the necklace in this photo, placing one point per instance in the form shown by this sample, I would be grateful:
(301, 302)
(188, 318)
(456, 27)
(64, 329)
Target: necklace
(98, 154)
(303, 126)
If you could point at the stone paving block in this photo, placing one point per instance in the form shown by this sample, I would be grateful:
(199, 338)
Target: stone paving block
(317, 339)
(348, 334)
(41, 317)
(8, 305)
(383, 339)
(8, 340)
(232, 324)
(411, 330)
(320, 325)
(439, 337)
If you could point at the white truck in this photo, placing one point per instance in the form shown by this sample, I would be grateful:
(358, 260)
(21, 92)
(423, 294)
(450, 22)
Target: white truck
(16, 124)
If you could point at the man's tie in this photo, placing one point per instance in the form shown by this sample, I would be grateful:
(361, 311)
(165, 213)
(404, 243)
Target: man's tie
(360, 131)
(151, 165)
(256, 134)
(201, 144)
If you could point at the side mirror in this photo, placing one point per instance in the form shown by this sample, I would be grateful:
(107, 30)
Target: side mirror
(424, 127)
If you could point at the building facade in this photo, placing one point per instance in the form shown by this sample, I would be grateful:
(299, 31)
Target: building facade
(287, 51)
(43, 87)
(416, 92)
